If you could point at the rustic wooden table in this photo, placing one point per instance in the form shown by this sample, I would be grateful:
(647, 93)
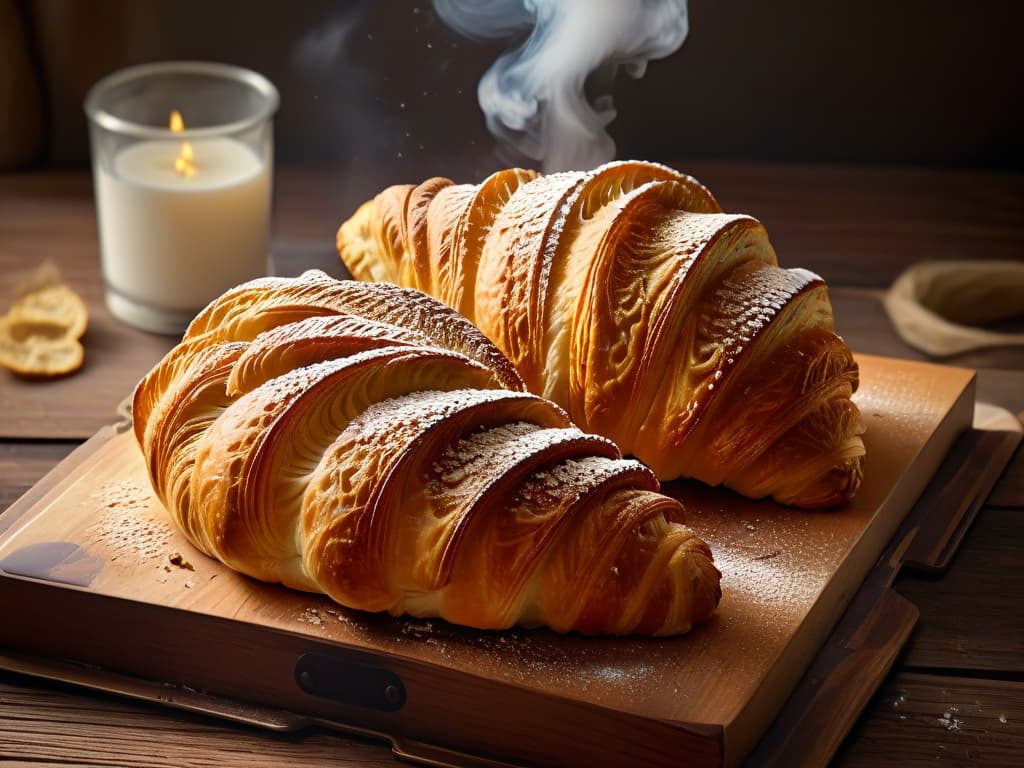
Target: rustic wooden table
(956, 693)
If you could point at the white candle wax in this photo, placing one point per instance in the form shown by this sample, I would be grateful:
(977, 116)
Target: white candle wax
(174, 242)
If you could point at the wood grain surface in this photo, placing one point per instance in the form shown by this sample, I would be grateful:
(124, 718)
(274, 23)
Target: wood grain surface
(783, 603)
(859, 227)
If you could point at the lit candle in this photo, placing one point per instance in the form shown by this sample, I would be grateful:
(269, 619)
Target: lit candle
(177, 238)
(183, 216)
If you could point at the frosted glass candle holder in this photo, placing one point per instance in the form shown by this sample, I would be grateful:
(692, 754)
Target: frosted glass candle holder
(182, 157)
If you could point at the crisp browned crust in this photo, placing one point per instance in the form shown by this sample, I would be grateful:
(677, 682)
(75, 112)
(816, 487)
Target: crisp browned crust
(626, 296)
(367, 442)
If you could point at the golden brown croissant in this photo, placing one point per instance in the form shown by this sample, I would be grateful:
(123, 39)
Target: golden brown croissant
(626, 296)
(367, 442)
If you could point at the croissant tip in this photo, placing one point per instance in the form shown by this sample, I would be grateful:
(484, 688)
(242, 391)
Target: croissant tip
(832, 490)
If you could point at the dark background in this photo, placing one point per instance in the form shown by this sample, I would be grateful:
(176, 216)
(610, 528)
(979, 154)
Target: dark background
(387, 85)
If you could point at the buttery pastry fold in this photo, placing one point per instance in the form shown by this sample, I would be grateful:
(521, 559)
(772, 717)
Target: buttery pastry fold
(367, 442)
(628, 297)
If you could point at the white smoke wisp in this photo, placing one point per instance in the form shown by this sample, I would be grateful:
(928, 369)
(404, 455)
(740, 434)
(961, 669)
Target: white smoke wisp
(534, 97)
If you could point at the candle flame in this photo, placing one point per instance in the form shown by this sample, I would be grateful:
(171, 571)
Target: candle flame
(183, 163)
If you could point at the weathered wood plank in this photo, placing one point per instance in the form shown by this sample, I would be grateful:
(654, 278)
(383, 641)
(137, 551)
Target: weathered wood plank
(943, 720)
(965, 622)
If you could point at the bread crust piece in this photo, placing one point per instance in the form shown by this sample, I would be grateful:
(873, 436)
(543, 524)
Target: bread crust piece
(369, 443)
(628, 297)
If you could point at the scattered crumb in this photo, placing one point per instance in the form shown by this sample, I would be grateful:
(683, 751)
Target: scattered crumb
(949, 722)
(769, 555)
(310, 616)
(337, 614)
(175, 558)
(417, 629)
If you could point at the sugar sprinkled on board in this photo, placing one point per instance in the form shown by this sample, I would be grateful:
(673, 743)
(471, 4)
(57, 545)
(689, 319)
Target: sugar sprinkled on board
(126, 524)
(310, 615)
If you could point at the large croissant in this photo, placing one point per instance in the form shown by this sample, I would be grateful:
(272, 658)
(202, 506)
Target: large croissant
(626, 296)
(367, 442)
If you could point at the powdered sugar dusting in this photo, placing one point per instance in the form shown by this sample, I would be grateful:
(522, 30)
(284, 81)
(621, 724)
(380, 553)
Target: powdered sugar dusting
(499, 447)
(127, 526)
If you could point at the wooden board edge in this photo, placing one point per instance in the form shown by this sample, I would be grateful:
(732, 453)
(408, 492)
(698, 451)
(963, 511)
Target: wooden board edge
(954, 502)
(54, 482)
(187, 699)
(877, 629)
(260, 666)
(757, 721)
(876, 625)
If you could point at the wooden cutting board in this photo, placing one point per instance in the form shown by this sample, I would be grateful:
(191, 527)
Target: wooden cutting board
(92, 570)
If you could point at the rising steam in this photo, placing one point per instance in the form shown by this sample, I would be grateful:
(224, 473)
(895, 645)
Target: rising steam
(535, 97)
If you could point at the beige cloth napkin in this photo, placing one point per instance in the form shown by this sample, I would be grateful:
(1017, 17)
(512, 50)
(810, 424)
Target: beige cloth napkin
(995, 418)
(938, 307)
